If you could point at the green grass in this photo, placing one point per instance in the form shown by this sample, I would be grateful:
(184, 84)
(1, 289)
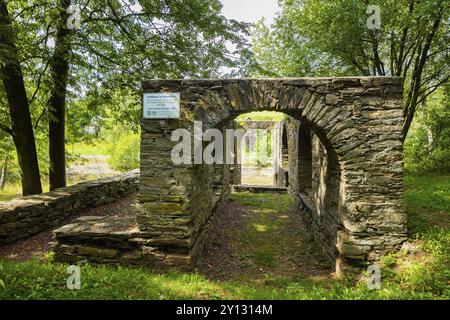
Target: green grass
(262, 116)
(37, 280)
(428, 192)
(98, 148)
(263, 240)
(428, 202)
(10, 192)
(13, 190)
(423, 272)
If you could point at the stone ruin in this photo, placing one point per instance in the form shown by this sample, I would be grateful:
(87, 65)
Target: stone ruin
(345, 160)
(279, 145)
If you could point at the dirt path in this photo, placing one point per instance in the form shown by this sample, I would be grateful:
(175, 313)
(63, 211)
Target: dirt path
(259, 238)
(92, 166)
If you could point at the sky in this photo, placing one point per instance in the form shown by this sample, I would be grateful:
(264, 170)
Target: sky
(250, 10)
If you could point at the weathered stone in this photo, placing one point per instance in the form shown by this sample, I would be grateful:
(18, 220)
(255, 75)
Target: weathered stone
(165, 207)
(332, 99)
(178, 260)
(345, 167)
(97, 252)
(18, 218)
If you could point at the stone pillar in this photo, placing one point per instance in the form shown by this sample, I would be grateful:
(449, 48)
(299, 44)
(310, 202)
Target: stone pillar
(278, 171)
(237, 168)
(165, 192)
(285, 155)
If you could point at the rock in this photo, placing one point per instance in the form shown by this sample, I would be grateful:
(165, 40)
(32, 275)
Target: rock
(344, 156)
(24, 217)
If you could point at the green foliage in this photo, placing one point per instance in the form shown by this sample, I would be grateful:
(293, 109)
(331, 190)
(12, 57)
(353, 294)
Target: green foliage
(97, 147)
(259, 157)
(261, 153)
(8, 159)
(331, 38)
(124, 150)
(117, 47)
(427, 148)
(283, 51)
(318, 37)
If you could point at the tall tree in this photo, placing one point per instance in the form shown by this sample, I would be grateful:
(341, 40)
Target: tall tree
(21, 126)
(59, 68)
(317, 37)
(120, 43)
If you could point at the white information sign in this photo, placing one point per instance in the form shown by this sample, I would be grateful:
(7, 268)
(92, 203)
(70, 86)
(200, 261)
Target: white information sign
(164, 105)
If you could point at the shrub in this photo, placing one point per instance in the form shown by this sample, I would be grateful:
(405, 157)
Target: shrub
(427, 147)
(125, 152)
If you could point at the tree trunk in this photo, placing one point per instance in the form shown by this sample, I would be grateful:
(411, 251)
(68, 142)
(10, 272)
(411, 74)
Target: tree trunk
(416, 78)
(430, 139)
(57, 101)
(2, 179)
(4, 174)
(22, 129)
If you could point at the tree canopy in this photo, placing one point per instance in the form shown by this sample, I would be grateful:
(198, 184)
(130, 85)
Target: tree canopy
(116, 45)
(329, 38)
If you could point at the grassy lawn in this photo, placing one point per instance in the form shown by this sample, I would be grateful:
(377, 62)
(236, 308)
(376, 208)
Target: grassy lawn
(262, 116)
(97, 148)
(428, 200)
(13, 191)
(10, 192)
(421, 271)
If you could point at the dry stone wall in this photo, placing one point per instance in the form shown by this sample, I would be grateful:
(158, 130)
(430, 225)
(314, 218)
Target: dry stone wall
(352, 129)
(358, 121)
(24, 217)
(314, 185)
(276, 130)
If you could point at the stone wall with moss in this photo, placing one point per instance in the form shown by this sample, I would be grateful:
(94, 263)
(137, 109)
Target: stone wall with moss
(325, 197)
(24, 217)
(348, 169)
(177, 201)
(314, 185)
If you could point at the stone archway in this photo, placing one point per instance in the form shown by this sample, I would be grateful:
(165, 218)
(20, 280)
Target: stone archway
(273, 130)
(353, 164)
(359, 120)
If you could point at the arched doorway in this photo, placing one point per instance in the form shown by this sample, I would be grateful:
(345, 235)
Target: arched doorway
(345, 165)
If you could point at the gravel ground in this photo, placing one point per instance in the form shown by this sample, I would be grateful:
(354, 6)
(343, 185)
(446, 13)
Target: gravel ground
(92, 165)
